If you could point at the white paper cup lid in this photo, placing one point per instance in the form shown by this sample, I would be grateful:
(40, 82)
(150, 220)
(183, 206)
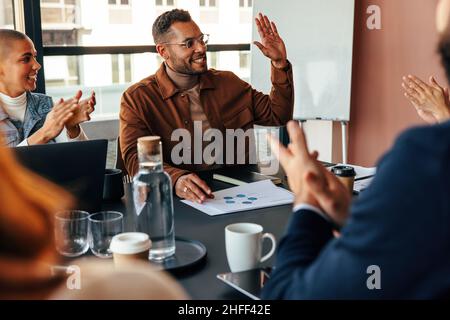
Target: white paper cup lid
(130, 243)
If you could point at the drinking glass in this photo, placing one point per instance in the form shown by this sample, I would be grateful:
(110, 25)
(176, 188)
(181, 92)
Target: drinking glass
(71, 232)
(103, 226)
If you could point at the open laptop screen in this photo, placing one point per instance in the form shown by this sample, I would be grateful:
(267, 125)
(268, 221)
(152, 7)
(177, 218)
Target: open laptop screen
(78, 167)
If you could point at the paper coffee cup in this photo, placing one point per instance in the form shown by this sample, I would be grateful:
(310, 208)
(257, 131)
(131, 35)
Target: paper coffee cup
(129, 247)
(346, 175)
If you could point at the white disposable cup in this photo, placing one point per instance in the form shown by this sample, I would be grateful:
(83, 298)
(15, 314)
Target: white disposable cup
(130, 246)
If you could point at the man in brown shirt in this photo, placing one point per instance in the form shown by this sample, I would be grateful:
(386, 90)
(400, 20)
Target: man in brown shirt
(184, 94)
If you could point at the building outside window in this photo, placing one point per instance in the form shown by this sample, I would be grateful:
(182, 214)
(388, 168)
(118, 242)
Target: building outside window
(6, 14)
(245, 3)
(245, 11)
(244, 65)
(165, 3)
(119, 2)
(207, 3)
(59, 13)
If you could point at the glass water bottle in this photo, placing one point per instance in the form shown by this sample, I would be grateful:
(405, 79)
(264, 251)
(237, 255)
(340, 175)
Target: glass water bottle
(153, 202)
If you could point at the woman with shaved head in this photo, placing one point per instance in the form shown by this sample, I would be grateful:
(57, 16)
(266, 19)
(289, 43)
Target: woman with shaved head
(28, 118)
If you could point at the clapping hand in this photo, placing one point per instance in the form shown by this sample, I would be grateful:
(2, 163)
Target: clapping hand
(308, 179)
(81, 114)
(430, 100)
(55, 121)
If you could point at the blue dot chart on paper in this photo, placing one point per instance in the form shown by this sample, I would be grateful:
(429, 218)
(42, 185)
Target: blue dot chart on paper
(256, 195)
(232, 200)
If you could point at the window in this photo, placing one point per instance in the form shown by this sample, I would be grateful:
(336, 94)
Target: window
(62, 71)
(57, 37)
(212, 58)
(119, 2)
(121, 68)
(244, 65)
(98, 46)
(244, 60)
(6, 14)
(120, 12)
(245, 3)
(207, 3)
(209, 12)
(165, 3)
(245, 11)
(58, 12)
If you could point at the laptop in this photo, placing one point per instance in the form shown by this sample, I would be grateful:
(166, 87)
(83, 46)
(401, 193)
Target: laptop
(78, 167)
(250, 282)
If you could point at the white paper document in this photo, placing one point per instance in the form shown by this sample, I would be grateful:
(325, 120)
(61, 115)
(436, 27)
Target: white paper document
(361, 185)
(256, 195)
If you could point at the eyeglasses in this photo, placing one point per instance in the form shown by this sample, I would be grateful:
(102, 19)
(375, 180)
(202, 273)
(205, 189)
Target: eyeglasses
(189, 43)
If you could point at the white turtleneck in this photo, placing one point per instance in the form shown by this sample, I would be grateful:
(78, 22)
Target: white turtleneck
(15, 108)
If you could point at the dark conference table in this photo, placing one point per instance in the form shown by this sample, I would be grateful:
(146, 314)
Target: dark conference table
(200, 281)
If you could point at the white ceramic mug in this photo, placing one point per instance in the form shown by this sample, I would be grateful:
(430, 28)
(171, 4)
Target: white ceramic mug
(243, 244)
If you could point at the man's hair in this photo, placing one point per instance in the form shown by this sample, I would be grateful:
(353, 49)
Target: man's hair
(6, 37)
(163, 23)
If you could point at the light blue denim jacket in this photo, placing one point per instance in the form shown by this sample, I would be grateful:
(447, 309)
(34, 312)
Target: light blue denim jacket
(14, 132)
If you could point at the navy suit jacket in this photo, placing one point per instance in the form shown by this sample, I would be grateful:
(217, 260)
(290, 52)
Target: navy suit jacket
(400, 224)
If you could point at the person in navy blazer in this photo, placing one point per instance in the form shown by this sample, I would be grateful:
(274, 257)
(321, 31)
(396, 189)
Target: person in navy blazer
(394, 240)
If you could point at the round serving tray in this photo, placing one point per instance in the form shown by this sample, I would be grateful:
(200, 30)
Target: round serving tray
(188, 253)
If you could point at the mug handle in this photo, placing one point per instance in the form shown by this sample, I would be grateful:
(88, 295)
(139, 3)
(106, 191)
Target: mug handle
(274, 244)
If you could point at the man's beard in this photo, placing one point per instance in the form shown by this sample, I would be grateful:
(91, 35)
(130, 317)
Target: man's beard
(444, 51)
(181, 67)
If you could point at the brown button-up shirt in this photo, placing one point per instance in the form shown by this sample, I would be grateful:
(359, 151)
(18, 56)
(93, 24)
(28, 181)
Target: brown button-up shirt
(155, 106)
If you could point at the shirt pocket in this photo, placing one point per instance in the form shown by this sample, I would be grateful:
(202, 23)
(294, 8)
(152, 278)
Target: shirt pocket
(242, 119)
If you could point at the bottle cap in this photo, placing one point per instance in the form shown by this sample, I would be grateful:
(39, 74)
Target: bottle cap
(150, 145)
(343, 171)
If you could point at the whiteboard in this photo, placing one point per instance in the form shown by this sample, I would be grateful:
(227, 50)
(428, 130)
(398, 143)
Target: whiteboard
(318, 35)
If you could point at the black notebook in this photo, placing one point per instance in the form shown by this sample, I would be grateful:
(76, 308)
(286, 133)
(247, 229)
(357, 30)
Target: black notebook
(240, 177)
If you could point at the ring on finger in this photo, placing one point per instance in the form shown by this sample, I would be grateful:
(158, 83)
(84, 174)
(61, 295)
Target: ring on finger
(185, 189)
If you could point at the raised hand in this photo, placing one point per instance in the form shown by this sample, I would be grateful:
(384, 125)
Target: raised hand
(430, 100)
(54, 122)
(271, 45)
(81, 114)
